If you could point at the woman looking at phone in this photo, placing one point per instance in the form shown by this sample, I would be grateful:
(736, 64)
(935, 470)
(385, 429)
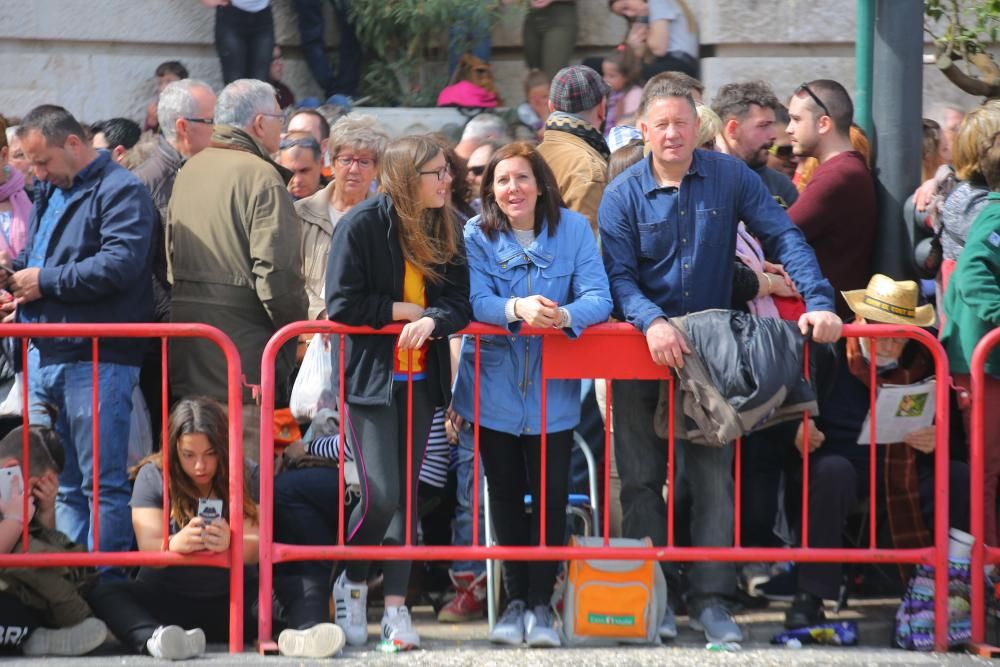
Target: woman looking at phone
(169, 612)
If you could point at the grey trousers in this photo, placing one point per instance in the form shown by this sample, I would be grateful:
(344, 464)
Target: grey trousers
(641, 457)
(379, 432)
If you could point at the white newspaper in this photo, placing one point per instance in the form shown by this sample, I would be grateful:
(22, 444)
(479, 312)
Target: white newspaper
(900, 409)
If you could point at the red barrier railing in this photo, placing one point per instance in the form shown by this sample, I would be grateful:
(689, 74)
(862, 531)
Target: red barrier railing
(609, 351)
(982, 554)
(233, 559)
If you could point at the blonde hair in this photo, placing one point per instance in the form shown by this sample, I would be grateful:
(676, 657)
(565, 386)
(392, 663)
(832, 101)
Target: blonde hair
(973, 137)
(711, 124)
(428, 236)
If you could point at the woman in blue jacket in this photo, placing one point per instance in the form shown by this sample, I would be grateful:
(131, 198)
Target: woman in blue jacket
(530, 262)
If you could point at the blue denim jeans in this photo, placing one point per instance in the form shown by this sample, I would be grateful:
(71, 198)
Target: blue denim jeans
(69, 388)
(641, 456)
(461, 525)
(244, 42)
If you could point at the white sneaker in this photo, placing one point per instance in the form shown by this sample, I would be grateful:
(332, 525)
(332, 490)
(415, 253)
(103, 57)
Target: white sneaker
(510, 628)
(397, 629)
(322, 640)
(539, 629)
(78, 639)
(350, 603)
(172, 642)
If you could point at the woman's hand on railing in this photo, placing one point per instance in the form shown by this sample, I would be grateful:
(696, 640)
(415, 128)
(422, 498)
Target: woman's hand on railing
(537, 311)
(415, 334)
(216, 535)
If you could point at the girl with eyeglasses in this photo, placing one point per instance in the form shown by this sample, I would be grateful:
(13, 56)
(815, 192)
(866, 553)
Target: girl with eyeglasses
(397, 257)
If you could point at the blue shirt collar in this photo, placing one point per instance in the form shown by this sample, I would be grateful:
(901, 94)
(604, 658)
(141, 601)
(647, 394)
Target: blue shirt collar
(649, 183)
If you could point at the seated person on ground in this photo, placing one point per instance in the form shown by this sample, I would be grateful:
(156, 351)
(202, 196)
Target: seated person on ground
(839, 467)
(42, 610)
(147, 614)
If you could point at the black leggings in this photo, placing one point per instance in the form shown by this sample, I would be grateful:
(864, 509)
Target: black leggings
(17, 621)
(379, 434)
(133, 610)
(513, 468)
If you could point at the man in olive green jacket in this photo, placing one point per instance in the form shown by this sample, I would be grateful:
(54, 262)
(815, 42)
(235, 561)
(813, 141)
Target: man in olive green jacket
(234, 245)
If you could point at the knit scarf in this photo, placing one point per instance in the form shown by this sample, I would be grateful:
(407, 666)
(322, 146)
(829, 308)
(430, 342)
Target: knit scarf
(12, 190)
(560, 121)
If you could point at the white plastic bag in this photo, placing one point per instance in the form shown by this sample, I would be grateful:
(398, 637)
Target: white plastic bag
(313, 390)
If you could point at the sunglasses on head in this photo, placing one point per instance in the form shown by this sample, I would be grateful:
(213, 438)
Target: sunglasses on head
(308, 142)
(807, 90)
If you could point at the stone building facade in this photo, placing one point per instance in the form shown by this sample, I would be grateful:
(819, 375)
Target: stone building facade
(97, 58)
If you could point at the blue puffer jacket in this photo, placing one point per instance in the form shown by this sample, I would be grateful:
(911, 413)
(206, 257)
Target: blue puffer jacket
(566, 268)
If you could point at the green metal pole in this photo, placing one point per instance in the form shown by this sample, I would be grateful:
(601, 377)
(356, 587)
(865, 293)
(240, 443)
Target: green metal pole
(863, 64)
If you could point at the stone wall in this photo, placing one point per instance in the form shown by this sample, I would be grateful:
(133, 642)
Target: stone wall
(97, 58)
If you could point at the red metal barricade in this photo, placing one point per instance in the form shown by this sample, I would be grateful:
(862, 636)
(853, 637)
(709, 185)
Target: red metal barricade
(163, 332)
(982, 554)
(609, 351)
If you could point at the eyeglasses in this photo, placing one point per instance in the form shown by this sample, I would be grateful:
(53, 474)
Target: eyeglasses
(272, 115)
(346, 161)
(307, 142)
(478, 170)
(203, 121)
(443, 173)
(805, 88)
(783, 152)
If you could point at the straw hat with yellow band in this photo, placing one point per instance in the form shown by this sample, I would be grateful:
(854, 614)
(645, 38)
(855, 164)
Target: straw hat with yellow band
(890, 302)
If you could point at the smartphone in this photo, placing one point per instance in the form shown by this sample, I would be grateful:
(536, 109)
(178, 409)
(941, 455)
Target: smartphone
(7, 477)
(210, 509)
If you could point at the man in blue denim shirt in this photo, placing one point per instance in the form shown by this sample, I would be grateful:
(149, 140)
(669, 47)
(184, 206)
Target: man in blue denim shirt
(87, 260)
(668, 229)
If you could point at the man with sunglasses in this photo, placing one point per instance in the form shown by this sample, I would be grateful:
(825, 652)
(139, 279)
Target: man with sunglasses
(836, 211)
(299, 153)
(747, 111)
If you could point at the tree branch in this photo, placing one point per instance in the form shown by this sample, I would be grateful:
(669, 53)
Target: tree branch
(969, 84)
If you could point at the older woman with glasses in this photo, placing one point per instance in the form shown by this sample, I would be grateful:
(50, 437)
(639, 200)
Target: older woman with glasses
(356, 144)
(531, 262)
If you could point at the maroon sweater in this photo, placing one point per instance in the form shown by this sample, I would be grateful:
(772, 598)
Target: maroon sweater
(837, 213)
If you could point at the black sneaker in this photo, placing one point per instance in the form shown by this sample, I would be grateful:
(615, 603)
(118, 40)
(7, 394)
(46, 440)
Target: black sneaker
(806, 611)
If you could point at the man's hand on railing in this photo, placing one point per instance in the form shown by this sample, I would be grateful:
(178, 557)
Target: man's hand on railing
(666, 346)
(826, 327)
(190, 538)
(816, 437)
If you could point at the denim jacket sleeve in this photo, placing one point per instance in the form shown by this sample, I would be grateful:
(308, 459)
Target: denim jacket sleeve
(783, 241)
(487, 305)
(591, 295)
(126, 228)
(619, 239)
